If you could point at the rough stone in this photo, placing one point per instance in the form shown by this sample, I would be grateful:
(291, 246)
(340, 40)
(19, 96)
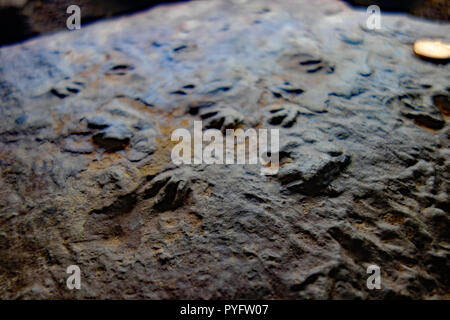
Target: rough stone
(87, 177)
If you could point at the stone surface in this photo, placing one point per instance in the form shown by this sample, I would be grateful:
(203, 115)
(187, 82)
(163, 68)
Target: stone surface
(87, 178)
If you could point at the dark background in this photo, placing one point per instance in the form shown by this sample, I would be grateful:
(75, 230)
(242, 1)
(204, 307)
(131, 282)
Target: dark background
(431, 9)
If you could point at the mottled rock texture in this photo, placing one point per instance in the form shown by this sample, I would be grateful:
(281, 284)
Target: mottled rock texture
(87, 178)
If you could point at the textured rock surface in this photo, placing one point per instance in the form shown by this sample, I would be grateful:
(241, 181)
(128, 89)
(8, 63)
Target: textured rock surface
(86, 176)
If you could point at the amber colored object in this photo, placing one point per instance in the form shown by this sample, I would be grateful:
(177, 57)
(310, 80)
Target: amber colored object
(432, 49)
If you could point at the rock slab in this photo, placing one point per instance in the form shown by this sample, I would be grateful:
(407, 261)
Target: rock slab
(87, 179)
